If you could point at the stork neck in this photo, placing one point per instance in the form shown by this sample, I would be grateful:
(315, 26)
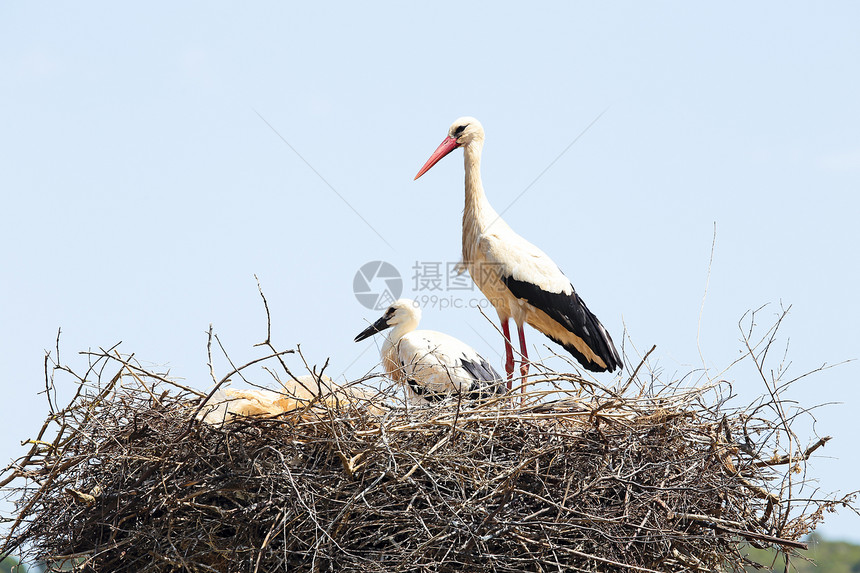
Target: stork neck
(478, 214)
(475, 197)
(398, 332)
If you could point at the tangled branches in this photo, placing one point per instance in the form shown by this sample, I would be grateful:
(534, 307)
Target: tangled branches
(639, 477)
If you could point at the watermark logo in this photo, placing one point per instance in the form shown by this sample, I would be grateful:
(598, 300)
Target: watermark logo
(377, 284)
(435, 284)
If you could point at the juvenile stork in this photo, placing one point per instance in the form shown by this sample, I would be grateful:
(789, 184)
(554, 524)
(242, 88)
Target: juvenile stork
(432, 365)
(518, 279)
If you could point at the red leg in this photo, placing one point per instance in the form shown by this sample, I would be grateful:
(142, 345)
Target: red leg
(524, 365)
(509, 352)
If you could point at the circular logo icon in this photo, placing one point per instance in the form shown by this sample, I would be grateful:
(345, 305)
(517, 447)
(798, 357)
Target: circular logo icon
(377, 284)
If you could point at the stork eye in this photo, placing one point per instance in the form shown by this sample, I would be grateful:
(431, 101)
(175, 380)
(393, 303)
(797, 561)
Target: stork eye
(460, 129)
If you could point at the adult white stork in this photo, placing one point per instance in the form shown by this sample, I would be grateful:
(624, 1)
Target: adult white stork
(432, 365)
(518, 279)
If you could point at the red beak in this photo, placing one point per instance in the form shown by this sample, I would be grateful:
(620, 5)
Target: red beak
(446, 147)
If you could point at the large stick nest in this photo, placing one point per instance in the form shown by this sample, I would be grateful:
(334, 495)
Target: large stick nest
(639, 477)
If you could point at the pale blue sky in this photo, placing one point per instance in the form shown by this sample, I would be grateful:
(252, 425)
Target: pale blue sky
(141, 191)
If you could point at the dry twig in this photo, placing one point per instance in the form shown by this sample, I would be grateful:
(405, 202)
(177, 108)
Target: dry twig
(594, 481)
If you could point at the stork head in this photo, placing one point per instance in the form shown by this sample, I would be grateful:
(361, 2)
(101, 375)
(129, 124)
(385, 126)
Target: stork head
(462, 132)
(403, 313)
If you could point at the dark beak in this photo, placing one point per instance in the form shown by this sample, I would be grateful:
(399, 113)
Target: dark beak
(377, 326)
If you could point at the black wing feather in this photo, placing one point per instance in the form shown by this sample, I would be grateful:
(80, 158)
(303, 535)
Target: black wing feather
(487, 381)
(569, 310)
(426, 393)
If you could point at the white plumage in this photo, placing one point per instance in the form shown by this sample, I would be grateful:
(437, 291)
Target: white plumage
(431, 365)
(519, 279)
